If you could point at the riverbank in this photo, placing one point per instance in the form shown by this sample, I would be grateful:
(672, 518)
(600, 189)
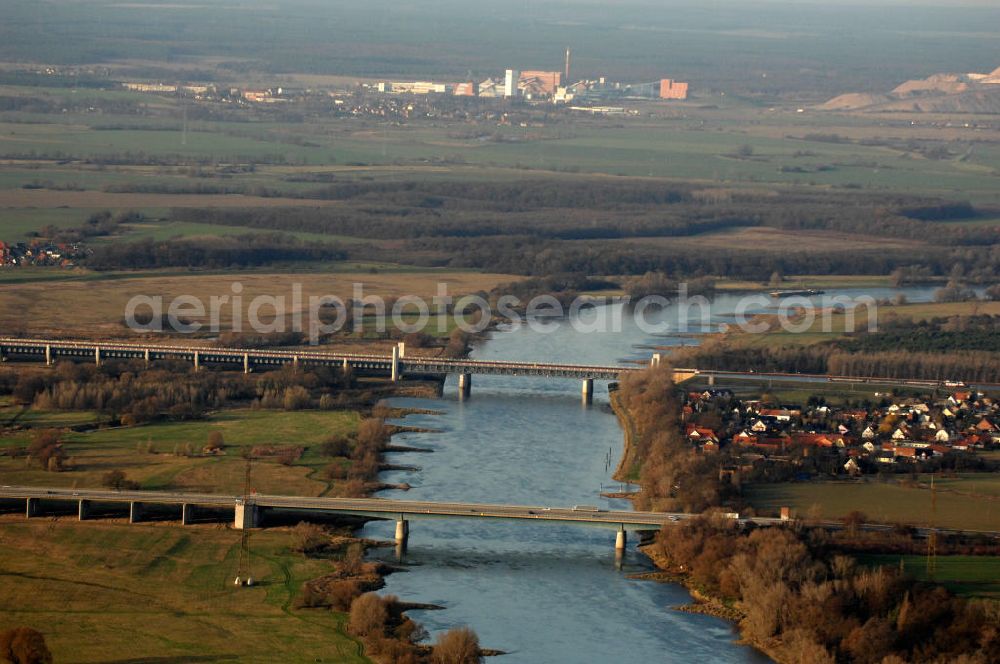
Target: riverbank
(704, 603)
(628, 466)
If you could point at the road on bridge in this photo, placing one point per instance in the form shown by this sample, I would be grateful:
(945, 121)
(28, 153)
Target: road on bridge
(379, 508)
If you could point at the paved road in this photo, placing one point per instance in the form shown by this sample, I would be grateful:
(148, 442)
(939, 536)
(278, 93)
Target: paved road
(409, 509)
(372, 507)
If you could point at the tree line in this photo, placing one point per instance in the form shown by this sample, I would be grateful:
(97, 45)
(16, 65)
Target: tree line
(129, 393)
(926, 355)
(248, 250)
(797, 595)
(487, 232)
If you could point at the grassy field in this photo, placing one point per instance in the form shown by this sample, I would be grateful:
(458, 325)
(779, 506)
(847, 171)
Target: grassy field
(95, 453)
(733, 142)
(976, 485)
(660, 149)
(777, 240)
(98, 306)
(968, 576)
(117, 594)
(165, 230)
(833, 326)
(884, 502)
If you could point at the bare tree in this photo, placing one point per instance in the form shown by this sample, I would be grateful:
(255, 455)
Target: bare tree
(215, 441)
(368, 616)
(459, 645)
(23, 645)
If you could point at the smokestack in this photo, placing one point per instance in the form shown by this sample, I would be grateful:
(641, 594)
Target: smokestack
(566, 73)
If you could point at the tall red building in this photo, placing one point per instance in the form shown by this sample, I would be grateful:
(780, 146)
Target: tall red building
(671, 89)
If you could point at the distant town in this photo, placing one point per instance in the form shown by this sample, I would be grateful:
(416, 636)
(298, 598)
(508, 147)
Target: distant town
(41, 253)
(527, 86)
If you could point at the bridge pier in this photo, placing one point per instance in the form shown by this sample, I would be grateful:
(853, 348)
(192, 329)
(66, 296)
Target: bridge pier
(97, 355)
(395, 363)
(246, 516)
(48, 354)
(621, 539)
(187, 514)
(346, 366)
(197, 360)
(246, 363)
(31, 508)
(588, 390)
(464, 385)
(83, 511)
(134, 512)
(145, 355)
(295, 362)
(402, 531)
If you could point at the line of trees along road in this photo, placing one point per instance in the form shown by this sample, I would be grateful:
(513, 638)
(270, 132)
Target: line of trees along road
(940, 349)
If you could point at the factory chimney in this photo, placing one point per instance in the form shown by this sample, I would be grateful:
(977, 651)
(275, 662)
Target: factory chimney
(566, 73)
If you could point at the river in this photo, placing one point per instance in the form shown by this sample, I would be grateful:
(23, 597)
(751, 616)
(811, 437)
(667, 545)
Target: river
(546, 593)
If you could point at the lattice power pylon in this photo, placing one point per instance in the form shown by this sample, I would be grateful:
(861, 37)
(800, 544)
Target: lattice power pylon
(243, 573)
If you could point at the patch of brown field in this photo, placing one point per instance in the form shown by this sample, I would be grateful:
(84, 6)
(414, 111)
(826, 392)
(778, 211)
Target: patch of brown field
(43, 198)
(97, 308)
(762, 238)
(227, 475)
(223, 474)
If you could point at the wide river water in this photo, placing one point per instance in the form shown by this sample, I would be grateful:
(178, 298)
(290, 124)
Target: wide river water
(545, 593)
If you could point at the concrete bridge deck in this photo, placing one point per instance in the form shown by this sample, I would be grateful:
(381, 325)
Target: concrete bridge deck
(248, 510)
(376, 508)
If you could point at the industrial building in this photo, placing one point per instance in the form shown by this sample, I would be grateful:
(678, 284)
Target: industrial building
(412, 87)
(534, 84)
(512, 78)
(671, 89)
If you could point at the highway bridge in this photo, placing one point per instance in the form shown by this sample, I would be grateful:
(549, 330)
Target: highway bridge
(248, 511)
(398, 364)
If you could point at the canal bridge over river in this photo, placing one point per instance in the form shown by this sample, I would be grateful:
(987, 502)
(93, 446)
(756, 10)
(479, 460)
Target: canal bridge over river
(399, 364)
(395, 366)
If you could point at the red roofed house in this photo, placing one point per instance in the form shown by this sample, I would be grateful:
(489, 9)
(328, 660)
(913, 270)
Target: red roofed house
(701, 434)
